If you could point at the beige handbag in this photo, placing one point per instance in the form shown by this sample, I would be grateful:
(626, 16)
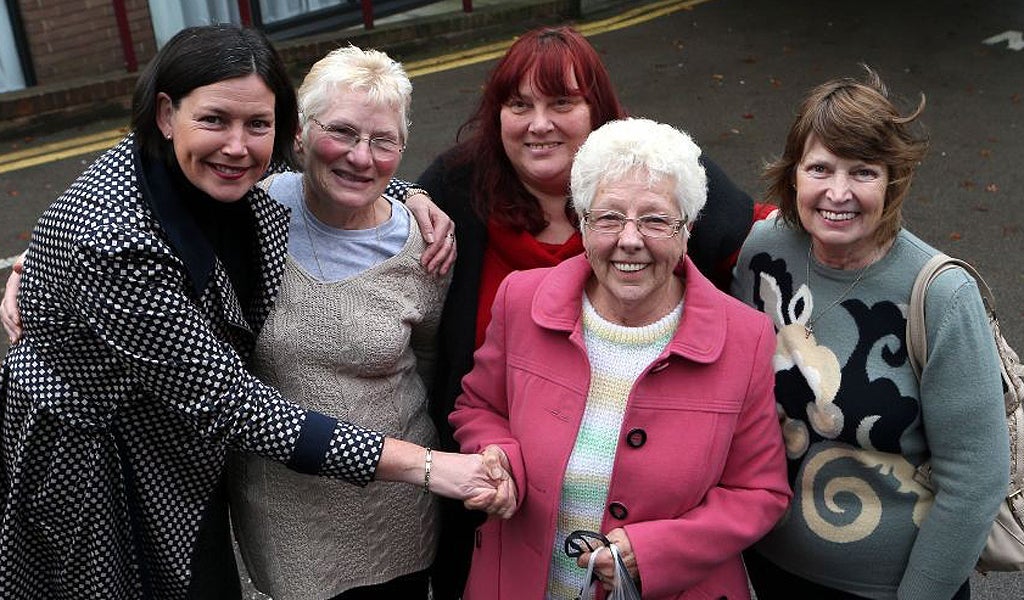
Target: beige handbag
(1004, 550)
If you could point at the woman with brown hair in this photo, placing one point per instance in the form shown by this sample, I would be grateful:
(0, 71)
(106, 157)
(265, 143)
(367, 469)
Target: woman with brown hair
(835, 272)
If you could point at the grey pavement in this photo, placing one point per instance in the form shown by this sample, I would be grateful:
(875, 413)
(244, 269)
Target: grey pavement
(731, 72)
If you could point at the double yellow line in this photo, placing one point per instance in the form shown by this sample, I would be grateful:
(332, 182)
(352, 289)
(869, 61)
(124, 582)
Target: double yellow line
(628, 18)
(55, 151)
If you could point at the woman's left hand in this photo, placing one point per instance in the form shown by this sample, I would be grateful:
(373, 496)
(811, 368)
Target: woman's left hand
(438, 231)
(604, 567)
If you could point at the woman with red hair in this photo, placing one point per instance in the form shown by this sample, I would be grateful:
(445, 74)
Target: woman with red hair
(506, 185)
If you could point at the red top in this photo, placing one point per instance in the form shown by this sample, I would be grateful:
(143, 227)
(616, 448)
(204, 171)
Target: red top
(510, 250)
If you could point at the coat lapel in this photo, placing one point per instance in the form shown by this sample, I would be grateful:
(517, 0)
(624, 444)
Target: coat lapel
(272, 240)
(210, 280)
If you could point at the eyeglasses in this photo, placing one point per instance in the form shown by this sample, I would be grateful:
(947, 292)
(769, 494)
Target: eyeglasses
(381, 147)
(581, 541)
(612, 222)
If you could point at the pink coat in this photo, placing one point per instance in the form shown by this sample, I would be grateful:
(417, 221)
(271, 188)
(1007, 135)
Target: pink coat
(699, 472)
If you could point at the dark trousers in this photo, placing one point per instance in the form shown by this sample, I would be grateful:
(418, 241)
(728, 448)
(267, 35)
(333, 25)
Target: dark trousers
(773, 583)
(414, 586)
(454, 549)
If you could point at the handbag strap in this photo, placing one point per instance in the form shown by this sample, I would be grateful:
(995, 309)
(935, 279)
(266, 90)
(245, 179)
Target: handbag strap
(916, 336)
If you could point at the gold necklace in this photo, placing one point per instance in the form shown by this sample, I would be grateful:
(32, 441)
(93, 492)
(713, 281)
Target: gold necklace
(809, 325)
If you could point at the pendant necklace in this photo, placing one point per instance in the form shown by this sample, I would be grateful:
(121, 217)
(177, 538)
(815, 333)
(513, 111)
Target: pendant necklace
(309, 234)
(312, 244)
(809, 325)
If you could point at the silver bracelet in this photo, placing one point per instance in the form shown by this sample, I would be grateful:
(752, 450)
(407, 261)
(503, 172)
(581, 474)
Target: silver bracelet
(427, 463)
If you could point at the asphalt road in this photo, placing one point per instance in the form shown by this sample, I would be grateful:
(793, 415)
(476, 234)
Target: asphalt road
(731, 73)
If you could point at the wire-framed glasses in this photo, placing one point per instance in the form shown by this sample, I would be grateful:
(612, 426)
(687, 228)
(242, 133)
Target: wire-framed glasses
(382, 147)
(612, 222)
(581, 541)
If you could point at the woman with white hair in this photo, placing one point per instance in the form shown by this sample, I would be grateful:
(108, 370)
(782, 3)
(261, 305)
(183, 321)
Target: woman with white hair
(352, 333)
(625, 394)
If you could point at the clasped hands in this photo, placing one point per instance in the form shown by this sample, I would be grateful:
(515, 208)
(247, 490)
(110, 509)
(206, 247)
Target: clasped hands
(495, 490)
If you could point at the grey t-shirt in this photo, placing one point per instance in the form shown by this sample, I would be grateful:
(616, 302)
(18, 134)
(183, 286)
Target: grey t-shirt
(331, 254)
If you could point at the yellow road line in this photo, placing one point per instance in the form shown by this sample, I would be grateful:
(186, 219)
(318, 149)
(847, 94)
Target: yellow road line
(101, 141)
(59, 150)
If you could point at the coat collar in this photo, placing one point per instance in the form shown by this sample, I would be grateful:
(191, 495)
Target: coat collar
(189, 244)
(558, 303)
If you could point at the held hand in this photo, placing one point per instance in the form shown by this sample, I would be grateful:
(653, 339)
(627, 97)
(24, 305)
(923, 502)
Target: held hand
(9, 314)
(438, 231)
(604, 567)
(503, 503)
(462, 477)
(618, 537)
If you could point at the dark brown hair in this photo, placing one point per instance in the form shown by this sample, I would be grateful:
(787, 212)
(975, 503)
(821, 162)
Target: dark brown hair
(856, 120)
(200, 56)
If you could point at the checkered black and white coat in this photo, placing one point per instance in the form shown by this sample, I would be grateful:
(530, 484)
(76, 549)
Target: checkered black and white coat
(129, 386)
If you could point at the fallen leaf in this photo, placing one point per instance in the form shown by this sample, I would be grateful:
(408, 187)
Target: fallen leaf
(955, 236)
(775, 81)
(24, 236)
(12, 192)
(718, 77)
(992, 188)
(1016, 98)
(1010, 230)
(748, 115)
(967, 184)
(750, 60)
(985, 153)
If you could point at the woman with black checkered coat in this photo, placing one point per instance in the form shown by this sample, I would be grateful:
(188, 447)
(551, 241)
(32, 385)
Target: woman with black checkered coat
(143, 288)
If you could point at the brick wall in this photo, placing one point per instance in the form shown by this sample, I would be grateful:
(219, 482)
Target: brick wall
(79, 38)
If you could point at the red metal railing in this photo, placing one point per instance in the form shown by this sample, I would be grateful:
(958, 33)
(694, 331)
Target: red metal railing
(124, 32)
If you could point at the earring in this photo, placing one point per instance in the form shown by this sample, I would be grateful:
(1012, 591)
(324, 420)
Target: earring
(168, 136)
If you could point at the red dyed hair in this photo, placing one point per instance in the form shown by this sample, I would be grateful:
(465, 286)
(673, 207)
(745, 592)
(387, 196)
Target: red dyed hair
(548, 54)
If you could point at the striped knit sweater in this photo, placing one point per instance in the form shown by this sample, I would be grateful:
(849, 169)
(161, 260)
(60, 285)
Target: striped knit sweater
(617, 355)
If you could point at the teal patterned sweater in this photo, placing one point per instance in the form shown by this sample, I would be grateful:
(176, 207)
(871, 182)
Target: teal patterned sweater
(857, 422)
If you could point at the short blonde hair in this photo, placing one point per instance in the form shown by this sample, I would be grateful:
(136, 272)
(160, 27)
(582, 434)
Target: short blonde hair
(353, 69)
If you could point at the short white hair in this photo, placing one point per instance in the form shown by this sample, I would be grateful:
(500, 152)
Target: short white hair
(353, 69)
(645, 148)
